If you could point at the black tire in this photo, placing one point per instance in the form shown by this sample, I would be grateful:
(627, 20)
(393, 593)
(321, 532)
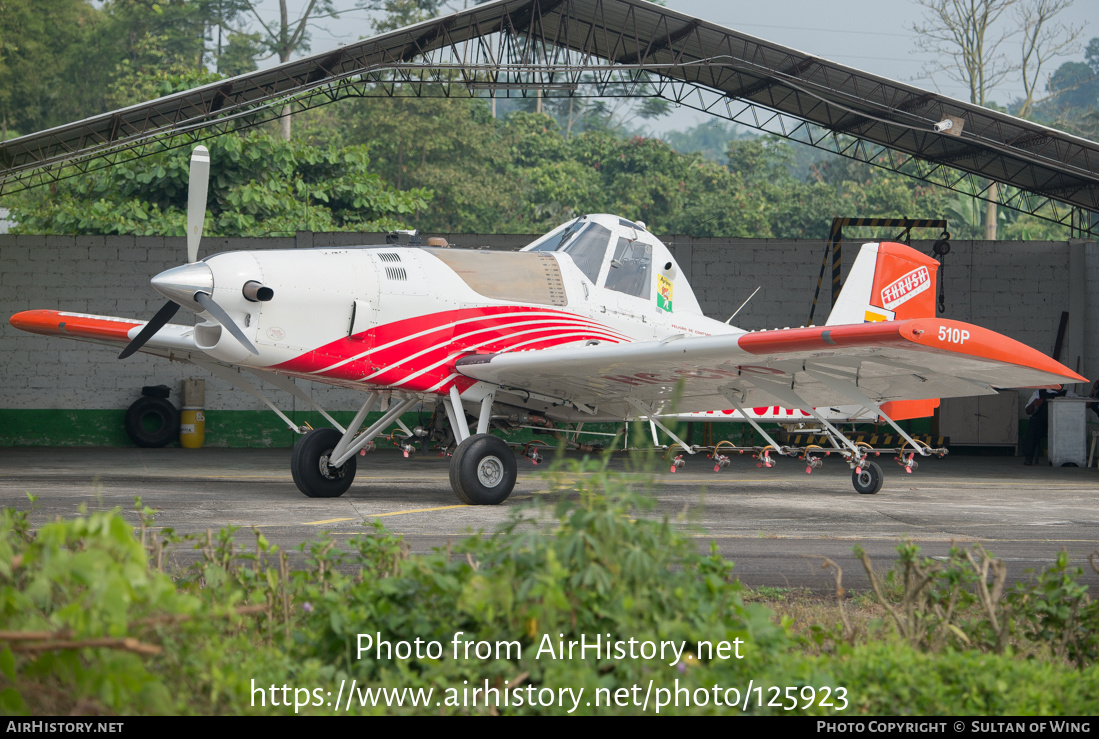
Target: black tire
(482, 470)
(311, 471)
(152, 422)
(870, 480)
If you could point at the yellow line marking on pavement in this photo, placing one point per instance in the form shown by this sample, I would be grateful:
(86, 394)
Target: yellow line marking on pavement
(416, 510)
(327, 520)
(1045, 486)
(892, 537)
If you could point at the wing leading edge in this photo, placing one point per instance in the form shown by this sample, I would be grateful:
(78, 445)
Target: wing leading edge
(106, 330)
(886, 361)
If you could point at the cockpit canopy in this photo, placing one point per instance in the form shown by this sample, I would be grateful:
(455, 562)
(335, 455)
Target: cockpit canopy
(619, 255)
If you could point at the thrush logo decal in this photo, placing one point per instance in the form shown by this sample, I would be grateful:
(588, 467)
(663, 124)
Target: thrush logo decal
(904, 289)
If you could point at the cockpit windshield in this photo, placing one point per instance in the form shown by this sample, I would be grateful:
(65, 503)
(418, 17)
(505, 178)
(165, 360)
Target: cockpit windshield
(558, 237)
(584, 241)
(588, 249)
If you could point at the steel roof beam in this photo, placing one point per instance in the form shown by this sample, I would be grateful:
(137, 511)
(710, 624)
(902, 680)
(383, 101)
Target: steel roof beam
(530, 43)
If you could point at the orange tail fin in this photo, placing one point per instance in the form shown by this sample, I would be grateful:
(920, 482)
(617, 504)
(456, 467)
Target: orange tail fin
(888, 282)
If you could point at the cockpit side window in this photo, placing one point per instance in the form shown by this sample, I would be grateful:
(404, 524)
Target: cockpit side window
(631, 268)
(588, 248)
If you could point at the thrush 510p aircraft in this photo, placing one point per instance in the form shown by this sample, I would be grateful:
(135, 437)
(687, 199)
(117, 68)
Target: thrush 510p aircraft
(591, 322)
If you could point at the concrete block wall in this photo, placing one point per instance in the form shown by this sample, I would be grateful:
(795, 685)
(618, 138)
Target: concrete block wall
(1091, 299)
(1016, 288)
(725, 272)
(109, 275)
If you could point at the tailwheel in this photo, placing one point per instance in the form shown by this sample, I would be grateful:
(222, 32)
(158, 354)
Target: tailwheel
(867, 478)
(309, 465)
(482, 470)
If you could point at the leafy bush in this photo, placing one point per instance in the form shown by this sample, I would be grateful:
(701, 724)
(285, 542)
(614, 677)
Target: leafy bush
(91, 623)
(259, 185)
(961, 602)
(1057, 611)
(598, 571)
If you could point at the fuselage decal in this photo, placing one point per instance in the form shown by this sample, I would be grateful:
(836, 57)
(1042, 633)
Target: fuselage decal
(418, 353)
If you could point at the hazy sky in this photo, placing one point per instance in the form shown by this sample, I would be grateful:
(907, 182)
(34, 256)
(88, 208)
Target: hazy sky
(871, 35)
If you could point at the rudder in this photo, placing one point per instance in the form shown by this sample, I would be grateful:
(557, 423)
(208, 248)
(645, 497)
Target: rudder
(890, 282)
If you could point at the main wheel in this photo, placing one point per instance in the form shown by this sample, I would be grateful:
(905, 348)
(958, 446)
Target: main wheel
(152, 422)
(309, 465)
(869, 480)
(482, 470)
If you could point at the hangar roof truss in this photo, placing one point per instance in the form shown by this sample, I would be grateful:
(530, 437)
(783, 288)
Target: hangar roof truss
(610, 48)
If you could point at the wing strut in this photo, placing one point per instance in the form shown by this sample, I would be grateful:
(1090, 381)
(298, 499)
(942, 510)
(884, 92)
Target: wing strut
(234, 378)
(732, 398)
(852, 391)
(789, 397)
(653, 420)
(285, 383)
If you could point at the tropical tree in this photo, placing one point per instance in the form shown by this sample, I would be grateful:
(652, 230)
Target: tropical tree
(970, 45)
(260, 185)
(53, 64)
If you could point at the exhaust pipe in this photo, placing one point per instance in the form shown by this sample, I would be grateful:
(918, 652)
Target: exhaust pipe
(257, 292)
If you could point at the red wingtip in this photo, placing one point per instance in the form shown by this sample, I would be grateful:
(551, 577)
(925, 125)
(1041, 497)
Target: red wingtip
(73, 325)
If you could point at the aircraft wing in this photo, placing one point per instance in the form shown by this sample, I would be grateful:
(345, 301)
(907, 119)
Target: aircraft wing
(171, 340)
(915, 359)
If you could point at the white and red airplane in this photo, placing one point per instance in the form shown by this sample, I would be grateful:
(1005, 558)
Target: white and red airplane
(591, 322)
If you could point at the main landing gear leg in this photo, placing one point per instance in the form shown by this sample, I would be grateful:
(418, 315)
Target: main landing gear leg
(482, 470)
(868, 480)
(323, 462)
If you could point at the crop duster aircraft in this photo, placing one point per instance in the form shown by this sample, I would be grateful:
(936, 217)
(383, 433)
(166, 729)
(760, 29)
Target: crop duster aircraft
(592, 322)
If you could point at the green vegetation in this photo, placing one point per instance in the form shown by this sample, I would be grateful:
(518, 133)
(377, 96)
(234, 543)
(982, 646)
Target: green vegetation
(447, 166)
(440, 165)
(260, 185)
(95, 618)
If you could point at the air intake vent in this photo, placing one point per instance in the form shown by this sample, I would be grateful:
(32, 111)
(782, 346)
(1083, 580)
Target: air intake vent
(388, 256)
(396, 273)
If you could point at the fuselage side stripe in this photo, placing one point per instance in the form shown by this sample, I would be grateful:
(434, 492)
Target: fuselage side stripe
(395, 334)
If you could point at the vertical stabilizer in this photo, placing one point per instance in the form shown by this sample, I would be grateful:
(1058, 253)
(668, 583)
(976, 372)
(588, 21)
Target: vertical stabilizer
(888, 282)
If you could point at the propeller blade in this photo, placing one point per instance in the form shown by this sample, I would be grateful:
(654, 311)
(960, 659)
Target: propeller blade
(197, 184)
(162, 317)
(223, 318)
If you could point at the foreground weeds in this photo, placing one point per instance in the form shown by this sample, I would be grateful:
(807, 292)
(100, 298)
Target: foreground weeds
(91, 623)
(960, 602)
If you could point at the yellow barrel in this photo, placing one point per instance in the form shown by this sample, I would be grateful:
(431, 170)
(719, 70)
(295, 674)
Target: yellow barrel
(192, 428)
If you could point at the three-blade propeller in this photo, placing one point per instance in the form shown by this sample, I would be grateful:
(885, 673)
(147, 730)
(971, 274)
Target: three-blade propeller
(197, 186)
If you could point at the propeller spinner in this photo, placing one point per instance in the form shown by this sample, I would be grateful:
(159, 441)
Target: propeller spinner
(191, 285)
